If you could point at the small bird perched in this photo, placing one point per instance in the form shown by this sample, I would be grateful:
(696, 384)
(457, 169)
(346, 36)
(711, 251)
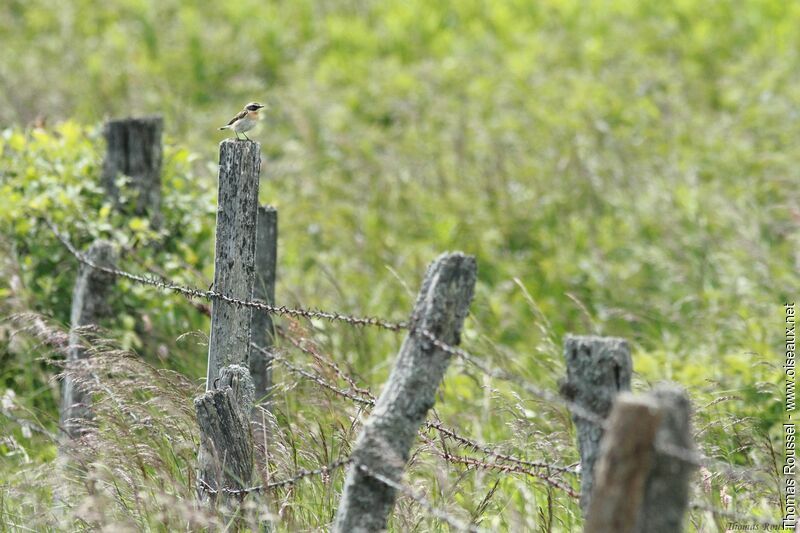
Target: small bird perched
(245, 120)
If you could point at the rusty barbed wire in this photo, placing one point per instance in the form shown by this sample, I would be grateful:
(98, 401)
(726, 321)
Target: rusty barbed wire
(576, 409)
(521, 466)
(302, 474)
(683, 454)
(329, 363)
(433, 424)
(211, 295)
(422, 501)
(470, 462)
(482, 448)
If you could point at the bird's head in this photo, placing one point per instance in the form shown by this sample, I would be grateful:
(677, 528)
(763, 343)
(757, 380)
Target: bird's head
(253, 106)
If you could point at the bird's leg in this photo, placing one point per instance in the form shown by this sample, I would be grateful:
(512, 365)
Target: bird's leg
(245, 136)
(237, 135)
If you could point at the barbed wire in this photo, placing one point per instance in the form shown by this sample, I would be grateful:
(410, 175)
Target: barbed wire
(676, 452)
(422, 501)
(302, 474)
(477, 464)
(577, 410)
(470, 462)
(482, 448)
(211, 295)
(523, 466)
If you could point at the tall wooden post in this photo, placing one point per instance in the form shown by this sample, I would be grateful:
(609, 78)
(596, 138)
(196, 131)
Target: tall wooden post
(624, 461)
(234, 261)
(223, 412)
(598, 368)
(666, 491)
(134, 149)
(384, 443)
(640, 486)
(89, 305)
(263, 332)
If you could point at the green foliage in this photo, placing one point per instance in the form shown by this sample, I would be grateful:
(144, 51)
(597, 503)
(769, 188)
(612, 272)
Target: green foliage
(619, 167)
(54, 175)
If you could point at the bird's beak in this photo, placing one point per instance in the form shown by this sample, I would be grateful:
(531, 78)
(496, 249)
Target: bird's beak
(261, 105)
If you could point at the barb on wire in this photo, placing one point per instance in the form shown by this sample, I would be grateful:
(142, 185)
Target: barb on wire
(469, 462)
(576, 409)
(422, 501)
(482, 448)
(302, 474)
(193, 292)
(521, 466)
(330, 364)
(315, 378)
(682, 454)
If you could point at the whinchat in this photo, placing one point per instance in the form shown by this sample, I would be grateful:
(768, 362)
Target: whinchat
(245, 120)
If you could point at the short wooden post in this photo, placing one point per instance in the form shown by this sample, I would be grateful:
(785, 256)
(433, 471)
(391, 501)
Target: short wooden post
(226, 450)
(263, 332)
(384, 443)
(134, 149)
(89, 305)
(624, 461)
(666, 491)
(598, 368)
(234, 262)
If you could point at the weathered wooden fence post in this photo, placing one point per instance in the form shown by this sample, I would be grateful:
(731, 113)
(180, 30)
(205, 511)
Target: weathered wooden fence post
(598, 368)
(226, 449)
(234, 262)
(226, 442)
(263, 332)
(624, 461)
(134, 149)
(384, 443)
(89, 305)
(666, 492)
(639, 486)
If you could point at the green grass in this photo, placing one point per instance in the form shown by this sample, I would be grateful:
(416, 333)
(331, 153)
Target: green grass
(623, 168)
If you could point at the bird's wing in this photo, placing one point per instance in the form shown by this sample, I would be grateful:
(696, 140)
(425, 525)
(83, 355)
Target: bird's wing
(237, 117)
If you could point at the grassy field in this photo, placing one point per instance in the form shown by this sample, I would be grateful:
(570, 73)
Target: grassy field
(622, 167)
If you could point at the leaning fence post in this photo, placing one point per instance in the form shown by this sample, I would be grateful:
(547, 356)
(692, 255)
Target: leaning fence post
(666, 492)
(226, 450)
(263, 333)
(624, 461)
(134, 149)
(598, 368)
(386, 438)
(89, 305)
(234, 261)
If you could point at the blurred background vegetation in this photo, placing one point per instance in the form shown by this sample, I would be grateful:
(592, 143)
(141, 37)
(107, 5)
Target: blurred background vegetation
(618, 167)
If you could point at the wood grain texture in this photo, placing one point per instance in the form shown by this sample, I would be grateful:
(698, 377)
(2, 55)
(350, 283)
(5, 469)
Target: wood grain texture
(234, 261)
(666, 491)
(263, 332)
(598, 368)
(134, 149)
(226, 442)
(89, 305)
(623, 464)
